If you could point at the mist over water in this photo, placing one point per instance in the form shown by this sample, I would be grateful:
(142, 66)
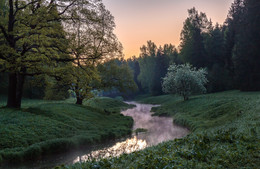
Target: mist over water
(159, 128)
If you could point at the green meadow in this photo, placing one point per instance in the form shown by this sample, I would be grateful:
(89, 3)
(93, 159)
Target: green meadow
(41, 128)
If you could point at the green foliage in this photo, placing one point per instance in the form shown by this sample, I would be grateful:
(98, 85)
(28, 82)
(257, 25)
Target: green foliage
(219, 73)
(116, 75)
(32, 42)
(82, 81)
(192, 47)
(91, 34)
(34, 87)
(91, 41)
(37, 39)
(135, 67)
(204, 45)
(214, 46)
(219, 79)
(55, 90)
(246, 54)
(153, 64)
(184, 80)
(147, 65)
(47, 127)
(232, 142)
(46, 36)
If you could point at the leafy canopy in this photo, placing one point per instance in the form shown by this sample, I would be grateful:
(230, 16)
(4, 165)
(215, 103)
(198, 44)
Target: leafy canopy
(91, 42)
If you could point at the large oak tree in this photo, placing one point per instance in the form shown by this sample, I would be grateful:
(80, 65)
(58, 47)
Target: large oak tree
(33, 41)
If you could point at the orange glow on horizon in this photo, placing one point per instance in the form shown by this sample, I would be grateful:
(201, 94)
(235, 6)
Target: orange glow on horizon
(159, 21)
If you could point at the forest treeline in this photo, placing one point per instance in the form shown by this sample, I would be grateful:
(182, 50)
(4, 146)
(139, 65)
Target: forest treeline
(230, 52)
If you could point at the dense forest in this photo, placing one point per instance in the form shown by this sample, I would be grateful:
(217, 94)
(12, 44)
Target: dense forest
(230, 52)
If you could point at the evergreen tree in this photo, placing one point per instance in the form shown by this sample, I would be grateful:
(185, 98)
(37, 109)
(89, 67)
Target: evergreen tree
(161, 65)
(134, 65)
(171, 52)
(192, 46)
(218, 74)
(147, 63)
(136, 74)
(230, 30)
(246, 53)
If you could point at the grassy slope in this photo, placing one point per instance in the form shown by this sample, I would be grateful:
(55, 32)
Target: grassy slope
(44, 127)
(225, 134)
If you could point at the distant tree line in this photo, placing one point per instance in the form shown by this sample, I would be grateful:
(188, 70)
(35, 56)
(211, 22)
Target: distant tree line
(229, 52)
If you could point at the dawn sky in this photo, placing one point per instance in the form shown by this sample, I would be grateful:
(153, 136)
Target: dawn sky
(161, 21)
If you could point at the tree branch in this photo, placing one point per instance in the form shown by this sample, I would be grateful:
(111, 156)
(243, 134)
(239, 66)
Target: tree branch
(28, 48)
(32, 74)
(4, 32)
(3, 58)
(26, 35)
(67, 7)
(23, 7)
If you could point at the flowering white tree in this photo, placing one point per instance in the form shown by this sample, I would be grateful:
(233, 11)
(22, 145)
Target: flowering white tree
(184, 80)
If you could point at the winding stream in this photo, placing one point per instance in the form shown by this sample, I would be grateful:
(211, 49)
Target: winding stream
(159, 129)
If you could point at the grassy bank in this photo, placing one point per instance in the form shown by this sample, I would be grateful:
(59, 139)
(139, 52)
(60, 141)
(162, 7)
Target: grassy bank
(225, 134)
(45, 127)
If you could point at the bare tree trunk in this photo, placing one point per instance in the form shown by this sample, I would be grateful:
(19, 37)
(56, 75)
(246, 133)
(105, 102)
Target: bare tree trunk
(11, 102)
(185, 97)
(19, 88)
(79, 100)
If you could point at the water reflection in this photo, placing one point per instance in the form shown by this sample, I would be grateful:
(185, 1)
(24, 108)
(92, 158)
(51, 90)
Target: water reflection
(159, 129)
(128, 146)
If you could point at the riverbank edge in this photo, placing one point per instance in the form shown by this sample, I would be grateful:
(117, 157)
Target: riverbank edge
(229, 139)
(61, 145)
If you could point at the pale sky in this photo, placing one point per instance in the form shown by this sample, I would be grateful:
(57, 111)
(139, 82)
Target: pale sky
(161, 21)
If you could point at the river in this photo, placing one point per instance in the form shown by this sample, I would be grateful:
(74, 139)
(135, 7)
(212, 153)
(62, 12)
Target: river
(157, 129)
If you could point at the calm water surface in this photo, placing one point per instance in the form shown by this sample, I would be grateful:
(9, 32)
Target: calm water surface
(159, 129)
